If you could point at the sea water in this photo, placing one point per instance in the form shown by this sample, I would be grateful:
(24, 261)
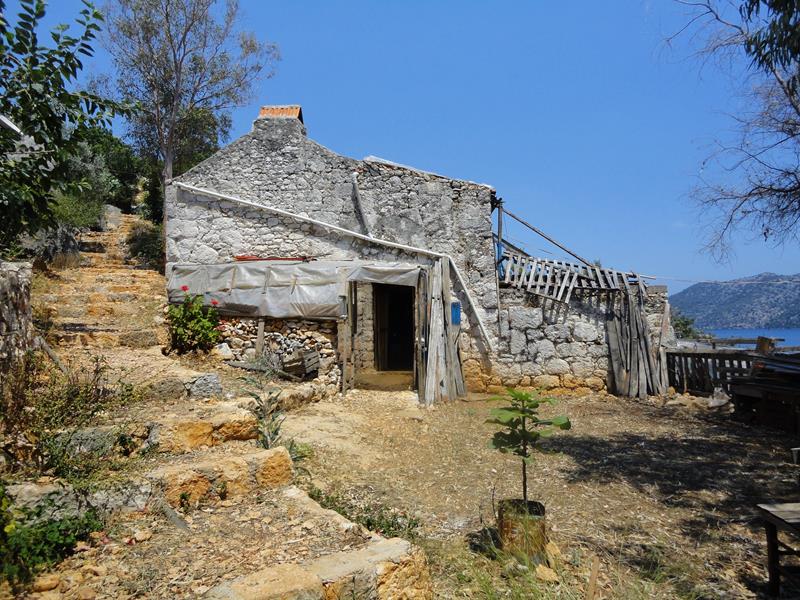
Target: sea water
(792, 336)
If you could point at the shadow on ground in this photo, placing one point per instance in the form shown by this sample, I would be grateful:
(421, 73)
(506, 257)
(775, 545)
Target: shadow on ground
(718, 477)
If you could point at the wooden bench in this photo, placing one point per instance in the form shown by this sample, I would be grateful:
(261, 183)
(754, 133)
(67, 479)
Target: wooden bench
(779, 517)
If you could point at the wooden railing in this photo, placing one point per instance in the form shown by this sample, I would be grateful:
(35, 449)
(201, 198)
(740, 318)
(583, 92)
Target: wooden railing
(698, 372)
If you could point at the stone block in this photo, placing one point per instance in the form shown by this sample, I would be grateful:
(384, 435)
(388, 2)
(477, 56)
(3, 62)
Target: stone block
(545, 349)
(594, 383)
(525, 317)
(571, 349)
(582, 368)
(547, 382)
(207, 385)
(556, 366)
(195, 480)
(584, 332)
(279, 582)
(178, 436)
(519, 343)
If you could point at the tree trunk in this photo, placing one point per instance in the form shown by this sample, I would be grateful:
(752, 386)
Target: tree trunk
(524, 464)
(166, 177)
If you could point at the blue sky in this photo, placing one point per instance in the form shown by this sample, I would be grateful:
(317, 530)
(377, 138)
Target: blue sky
(579, 114)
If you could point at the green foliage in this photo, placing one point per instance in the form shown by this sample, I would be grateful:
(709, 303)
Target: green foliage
(383, 519)
(146, 244)
(121, 166)
(37, 95)
(268, 413)
(684, 326)
(42, 407)
(192, 326)
(153, 205)
(772, 39)
(522, 428)
(76, 211)
(29, 544)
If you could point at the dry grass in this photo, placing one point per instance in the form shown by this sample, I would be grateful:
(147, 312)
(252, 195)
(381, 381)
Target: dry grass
(664, 497)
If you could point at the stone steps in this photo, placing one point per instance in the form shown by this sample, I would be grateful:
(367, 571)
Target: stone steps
(95, 338)
(217, 475)
(385, 569)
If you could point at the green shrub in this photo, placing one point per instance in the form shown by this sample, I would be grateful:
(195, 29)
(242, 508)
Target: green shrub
(146, 244)
(30, 544)
(522, 429)
(41, 408)
(192, 326)
(76, 211)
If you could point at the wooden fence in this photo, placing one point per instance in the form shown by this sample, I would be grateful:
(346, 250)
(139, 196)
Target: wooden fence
(699, 372)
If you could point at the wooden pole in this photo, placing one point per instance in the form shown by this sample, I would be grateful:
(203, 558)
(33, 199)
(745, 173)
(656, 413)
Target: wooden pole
(260, 338)
(547, 237)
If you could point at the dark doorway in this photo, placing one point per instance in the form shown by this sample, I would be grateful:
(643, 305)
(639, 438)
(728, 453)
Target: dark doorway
(394, 327)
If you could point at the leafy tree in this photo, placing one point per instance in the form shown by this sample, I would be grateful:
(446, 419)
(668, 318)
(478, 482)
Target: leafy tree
(199, 136)
(523, 429)
(37, 94)
(684, 326)
(121, 163)
(773, 40)
(761, 165)
(182, 60)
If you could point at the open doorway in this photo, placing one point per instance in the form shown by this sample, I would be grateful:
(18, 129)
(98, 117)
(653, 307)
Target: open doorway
(394, 327)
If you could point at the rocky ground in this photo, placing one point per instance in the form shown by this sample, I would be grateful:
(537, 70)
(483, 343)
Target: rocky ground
(196, 508)
(664, 495)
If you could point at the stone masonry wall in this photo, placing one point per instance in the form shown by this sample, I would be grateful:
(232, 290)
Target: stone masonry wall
(277, 165)
(283, 337)
(548, 345)
(364, 346)
(16, 322)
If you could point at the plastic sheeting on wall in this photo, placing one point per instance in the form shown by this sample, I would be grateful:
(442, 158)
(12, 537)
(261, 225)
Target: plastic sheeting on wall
(283, 289)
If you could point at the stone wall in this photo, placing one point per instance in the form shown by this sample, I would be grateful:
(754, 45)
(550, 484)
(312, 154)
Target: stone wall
(16, 322)
(283, 337)
(277, 165)
(364, 346)
(546, 344)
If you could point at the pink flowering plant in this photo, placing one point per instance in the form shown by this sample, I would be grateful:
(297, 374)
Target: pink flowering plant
(192, 326)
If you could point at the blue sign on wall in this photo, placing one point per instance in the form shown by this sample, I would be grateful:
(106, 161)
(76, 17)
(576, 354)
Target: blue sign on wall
(455, 313)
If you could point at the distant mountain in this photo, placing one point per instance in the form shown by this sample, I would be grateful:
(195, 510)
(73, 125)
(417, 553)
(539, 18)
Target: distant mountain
(762, 301)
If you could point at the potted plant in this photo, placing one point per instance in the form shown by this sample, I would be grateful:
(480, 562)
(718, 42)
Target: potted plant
(521, 523)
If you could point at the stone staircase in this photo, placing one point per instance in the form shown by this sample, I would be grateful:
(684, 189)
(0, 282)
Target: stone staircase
(105, 302)
(201, 511)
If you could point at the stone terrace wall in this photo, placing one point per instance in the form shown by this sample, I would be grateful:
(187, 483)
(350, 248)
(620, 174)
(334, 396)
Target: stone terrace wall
(16, 322)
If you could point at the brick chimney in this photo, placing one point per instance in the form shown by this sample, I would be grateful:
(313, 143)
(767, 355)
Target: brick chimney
(292, 111)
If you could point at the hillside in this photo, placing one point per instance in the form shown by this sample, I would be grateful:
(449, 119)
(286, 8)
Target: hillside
(765, 300)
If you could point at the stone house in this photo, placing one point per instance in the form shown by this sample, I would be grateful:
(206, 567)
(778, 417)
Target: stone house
(315, 249)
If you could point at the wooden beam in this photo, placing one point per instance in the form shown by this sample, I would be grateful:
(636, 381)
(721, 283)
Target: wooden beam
(547, 237)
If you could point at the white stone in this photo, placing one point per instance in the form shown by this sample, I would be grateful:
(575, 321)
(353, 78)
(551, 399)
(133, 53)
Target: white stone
(584, 332)
(525, 317)
(557, 366)
(223, 351)
(545, 349)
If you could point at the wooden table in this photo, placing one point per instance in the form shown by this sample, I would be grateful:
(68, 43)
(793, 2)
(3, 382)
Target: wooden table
(779, 517)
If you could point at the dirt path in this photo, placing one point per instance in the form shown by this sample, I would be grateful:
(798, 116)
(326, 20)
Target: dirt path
(663, 493)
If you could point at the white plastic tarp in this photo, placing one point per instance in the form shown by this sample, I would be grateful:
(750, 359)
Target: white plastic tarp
(314, 290)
